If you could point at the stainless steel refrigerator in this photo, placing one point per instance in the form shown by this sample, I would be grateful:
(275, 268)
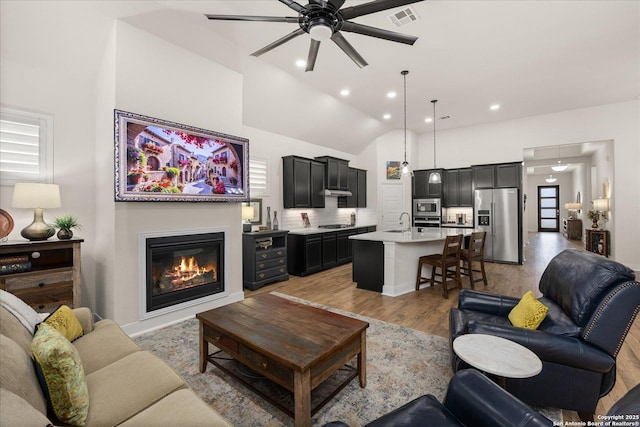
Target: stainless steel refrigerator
(498, 213)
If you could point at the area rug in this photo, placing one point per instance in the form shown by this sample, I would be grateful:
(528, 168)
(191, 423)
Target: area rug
(402, 364)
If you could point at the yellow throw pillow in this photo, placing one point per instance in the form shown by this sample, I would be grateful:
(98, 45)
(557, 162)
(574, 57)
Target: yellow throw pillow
(65, 322)
(528, 313)
(61, 375)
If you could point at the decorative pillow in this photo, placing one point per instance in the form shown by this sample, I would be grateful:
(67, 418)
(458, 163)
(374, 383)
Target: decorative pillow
(528, 313)
(61, 375)
(65, 322)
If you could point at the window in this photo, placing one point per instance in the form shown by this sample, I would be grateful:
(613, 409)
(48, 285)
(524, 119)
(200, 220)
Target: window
(258, 177)
(26, 147)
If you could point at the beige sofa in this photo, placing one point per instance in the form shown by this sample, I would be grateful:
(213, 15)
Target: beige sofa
(127, 386)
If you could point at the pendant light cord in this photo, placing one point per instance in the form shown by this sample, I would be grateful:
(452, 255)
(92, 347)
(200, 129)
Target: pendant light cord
(434, 131)
(404, 73)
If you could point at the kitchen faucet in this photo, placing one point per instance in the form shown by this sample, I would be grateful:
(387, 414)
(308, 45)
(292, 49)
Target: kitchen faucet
(408, 228)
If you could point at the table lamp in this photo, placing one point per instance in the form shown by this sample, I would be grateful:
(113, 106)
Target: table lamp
(573, 209)
(36, 196)
(247, 215)
(601, 206)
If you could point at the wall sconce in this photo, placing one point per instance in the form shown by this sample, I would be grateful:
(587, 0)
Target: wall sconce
(36, 196)
(573, 209)
(602, 206)
(247, 216)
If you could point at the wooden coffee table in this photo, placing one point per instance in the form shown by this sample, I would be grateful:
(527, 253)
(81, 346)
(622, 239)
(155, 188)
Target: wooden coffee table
(295, 345)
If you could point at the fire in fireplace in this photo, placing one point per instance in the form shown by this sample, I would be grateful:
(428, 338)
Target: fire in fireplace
(183, 268)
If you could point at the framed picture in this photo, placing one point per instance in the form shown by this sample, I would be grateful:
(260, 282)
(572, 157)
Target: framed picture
(161, 161)
(393, 170)
(256, 204)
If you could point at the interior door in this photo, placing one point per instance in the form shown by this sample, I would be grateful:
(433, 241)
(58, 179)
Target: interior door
(392, 206)
(548, 208)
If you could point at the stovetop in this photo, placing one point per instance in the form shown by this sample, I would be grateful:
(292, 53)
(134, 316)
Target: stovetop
(332, 226)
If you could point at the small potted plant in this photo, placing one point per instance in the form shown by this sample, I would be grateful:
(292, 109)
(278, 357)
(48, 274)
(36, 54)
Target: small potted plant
(65, 224)
(594, 216)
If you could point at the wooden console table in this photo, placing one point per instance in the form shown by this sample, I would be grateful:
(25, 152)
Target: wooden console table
(572, 228)
(51, 274)
(598, 241)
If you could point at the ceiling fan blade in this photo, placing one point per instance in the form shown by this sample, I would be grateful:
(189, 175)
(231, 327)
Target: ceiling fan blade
(290, 19)
(366, 30)
(337, 3)
(348, 49)
(373, 7)
(278, 42)
(293, 5)
(313, 54)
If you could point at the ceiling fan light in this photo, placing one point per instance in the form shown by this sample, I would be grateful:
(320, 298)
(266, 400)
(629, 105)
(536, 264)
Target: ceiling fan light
(320, 32)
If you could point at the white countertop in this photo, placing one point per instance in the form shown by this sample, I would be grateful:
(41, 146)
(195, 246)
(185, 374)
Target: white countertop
(427, 235)
(454, 225)
(316, 230)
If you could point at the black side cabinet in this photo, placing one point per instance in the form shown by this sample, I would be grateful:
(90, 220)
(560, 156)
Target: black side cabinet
(302, 182)
(264, 258)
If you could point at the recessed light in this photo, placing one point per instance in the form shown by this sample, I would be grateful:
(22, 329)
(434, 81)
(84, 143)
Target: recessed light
(345, 92)
(391, 94)
(495, 107)
(301, 63)
(386, 116)
(428, 120)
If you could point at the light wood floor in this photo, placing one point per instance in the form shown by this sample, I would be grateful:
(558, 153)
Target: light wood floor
(428, 311)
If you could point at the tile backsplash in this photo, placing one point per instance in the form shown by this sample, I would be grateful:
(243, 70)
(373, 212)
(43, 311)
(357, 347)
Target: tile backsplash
(290, 219)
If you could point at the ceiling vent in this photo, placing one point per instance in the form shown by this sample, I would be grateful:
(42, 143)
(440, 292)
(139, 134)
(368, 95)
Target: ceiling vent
(403, 17)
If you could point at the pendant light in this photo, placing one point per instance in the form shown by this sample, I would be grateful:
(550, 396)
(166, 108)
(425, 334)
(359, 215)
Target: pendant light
(405, 164)
(550, 179)
(434, 177)
(559, 167)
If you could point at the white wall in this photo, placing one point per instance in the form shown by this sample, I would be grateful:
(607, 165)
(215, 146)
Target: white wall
(505, 141)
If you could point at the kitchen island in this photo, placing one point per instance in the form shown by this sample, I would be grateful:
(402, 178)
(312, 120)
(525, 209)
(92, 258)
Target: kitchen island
(387, 261)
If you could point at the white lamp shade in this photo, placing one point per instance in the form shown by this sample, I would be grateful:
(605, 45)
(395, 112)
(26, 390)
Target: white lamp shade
(247, 212)
(36, 195)
(601, 205)
(573, 206)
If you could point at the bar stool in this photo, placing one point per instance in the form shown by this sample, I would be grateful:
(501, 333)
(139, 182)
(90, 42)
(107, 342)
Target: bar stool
(449, 258)
(474, 252)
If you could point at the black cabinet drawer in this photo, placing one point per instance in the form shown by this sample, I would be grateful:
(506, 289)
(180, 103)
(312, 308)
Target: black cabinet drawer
(271, 263)
(272, 272)
(263, 255)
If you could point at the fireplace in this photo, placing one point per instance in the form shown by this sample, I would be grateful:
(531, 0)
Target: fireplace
(181, 269)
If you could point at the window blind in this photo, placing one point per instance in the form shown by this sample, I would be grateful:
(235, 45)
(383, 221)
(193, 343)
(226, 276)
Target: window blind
(258, 177)
(25, 147)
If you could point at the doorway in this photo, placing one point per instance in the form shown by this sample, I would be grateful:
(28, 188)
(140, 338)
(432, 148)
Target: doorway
(549, 208)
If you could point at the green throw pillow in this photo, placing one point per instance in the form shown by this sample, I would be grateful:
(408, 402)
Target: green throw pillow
(528, 313)
(65, 322)
(61, 375)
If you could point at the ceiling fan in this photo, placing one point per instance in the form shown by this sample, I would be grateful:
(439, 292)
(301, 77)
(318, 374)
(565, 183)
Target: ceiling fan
(324, 20)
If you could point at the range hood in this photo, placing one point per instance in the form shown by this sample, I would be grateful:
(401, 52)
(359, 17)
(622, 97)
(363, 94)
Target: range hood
(336, 193)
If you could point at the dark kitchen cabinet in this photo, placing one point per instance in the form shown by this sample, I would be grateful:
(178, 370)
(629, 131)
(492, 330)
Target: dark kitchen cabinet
(302, 183)
(458, 188)
(504, 175)
(423, 189)
(336, 172)
(357, 185)
(329, 250)
(262, 264)
(344, 245)
(305, 254)
(310, 253)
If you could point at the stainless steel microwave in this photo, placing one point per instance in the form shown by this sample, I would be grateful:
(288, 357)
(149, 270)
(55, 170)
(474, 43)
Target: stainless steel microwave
(426, 207)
